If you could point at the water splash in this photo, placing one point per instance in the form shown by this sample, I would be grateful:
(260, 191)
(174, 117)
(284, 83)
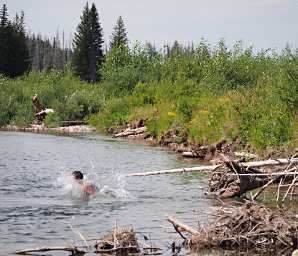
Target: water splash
(112, 186)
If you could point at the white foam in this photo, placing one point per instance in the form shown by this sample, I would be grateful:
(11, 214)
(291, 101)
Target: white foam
(112, 186)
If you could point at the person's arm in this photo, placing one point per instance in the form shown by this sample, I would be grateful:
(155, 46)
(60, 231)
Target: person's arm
(89, 188)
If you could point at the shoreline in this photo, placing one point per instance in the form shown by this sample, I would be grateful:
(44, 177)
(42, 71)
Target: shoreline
(36, 128)
(186, 148)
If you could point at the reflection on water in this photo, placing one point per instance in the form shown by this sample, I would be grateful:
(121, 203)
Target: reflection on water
(39, 200)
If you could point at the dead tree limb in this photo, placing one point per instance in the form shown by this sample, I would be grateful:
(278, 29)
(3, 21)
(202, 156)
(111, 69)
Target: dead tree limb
(182, 226)
(211, 168)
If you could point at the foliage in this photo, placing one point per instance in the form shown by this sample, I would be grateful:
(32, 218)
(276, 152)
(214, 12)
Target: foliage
(88, 54)
(212, 94)
(70, 98)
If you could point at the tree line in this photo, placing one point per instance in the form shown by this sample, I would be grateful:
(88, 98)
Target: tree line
(85, 56)
(21, 52)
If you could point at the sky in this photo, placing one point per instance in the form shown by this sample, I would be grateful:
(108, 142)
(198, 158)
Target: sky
(262, 24)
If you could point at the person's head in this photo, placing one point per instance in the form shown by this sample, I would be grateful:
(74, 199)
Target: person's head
(77, 175)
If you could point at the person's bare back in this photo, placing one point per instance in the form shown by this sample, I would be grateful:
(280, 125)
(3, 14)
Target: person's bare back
(86, 186)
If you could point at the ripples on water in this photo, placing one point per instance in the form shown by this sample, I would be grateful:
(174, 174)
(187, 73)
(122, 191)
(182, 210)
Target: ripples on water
(39, 201)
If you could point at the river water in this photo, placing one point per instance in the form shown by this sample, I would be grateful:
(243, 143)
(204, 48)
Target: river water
(39, 208)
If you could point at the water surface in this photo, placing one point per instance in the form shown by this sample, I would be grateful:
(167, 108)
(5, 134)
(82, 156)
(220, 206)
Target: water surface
(36, 208)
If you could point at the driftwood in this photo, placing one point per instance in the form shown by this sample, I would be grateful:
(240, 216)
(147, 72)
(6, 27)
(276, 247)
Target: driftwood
(232, 179)
(202, 153)
(181, 226)
(73, 250)
(211, 168)
(128, 132)
(227, 180)
(249, 227)
(118, 240)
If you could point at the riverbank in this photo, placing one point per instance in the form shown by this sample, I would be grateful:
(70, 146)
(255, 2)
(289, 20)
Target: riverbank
(188, 148)
(36, 128)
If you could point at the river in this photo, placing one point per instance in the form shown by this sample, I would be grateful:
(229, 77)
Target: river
(37, 208)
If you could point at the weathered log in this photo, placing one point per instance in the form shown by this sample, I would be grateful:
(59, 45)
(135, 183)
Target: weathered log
(189, 154)
(211, 168)
(131, 132)
(182, 226)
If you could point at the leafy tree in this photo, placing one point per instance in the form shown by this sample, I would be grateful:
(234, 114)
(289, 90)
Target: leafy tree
(119, 35)
(88, 53)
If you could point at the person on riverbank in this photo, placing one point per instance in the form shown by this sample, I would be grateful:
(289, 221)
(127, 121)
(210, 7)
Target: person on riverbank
(86, 187)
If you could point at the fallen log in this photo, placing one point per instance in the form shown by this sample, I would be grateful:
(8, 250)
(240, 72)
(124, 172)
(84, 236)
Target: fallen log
(131, 132)
(189, 154)
(211, 168)
(74, 250)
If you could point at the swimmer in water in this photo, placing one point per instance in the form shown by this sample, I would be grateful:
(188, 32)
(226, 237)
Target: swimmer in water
(86, 186)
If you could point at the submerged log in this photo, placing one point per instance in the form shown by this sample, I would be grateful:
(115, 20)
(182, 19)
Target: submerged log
(73, 250)
(211, 168)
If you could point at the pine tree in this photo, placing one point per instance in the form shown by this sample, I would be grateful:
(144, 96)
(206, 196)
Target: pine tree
(119, 35)
(3, 16)
(88, 54)
(14, 54)
(96, 51)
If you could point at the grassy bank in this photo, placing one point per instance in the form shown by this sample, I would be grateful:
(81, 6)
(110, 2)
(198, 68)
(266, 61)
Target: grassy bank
(205, 94)
(210, 94)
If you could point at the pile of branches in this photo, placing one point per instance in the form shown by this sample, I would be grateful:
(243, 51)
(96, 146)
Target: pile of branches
(227, 180)
(235, 179)
(120, 239)
(251, 226)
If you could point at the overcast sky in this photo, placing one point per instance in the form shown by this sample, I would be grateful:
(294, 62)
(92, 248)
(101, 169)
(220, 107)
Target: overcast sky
(260, 23)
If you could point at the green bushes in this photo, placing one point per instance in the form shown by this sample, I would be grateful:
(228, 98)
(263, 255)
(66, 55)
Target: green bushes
(70, 98)
(208, 94)
(212, 94)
